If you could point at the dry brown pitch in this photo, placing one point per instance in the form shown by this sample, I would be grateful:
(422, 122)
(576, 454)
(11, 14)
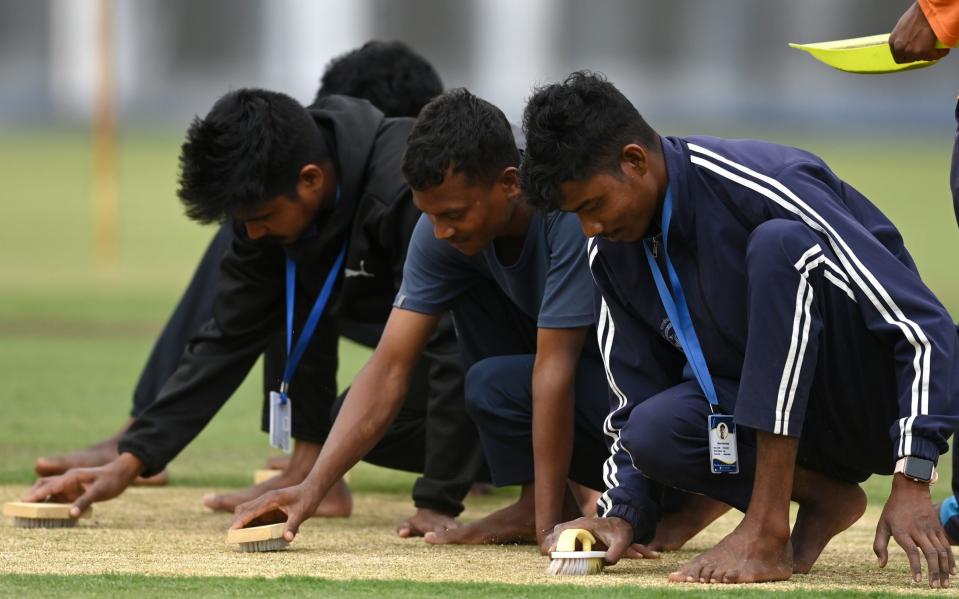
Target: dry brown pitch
(168, 532)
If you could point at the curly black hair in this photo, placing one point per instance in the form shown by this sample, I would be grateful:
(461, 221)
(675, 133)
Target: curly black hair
(390, 75)
(461, 131)
(574, 130)
(249, 148)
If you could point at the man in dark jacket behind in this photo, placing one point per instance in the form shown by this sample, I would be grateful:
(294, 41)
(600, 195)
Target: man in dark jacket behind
(398, 81)
(321, 191)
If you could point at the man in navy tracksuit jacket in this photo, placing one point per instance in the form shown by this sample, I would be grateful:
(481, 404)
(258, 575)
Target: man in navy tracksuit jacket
(819, 337)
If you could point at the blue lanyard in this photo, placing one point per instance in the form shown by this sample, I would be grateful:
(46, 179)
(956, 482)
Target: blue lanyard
(293, 357)
(677, 310)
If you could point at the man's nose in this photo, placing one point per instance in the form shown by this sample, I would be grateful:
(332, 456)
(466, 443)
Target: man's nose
(255, 230)
(591, 228)
(442, 232)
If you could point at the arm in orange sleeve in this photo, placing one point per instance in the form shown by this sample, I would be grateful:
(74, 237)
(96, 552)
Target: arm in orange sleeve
(913, 38)
(943, 17)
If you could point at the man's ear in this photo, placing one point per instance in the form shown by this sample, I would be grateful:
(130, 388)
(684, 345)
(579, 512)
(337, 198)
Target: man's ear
(509, 179)
(636, 158)
(311, 179)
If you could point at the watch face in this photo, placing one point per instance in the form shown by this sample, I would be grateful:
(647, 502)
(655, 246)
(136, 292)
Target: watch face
(918, 469)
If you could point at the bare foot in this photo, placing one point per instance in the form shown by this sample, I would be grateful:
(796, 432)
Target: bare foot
(282, 462)
(227, 502)
(836, 506)
(338, 502)
(513, 524)
(277, 462)
(424, 521)
(95, 455)
(674, 529)
(748, 554)
(481, 489)
(157, 480)
(586, 498)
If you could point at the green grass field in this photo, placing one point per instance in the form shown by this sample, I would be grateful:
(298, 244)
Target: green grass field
(133, 586)
(73, 340)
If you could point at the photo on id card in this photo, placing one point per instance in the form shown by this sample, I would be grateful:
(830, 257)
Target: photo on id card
(723, 452)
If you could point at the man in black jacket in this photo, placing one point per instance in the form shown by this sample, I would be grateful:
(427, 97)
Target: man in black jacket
(398, 81)
(303, 185)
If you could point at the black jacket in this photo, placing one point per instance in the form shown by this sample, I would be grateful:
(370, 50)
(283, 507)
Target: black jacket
(375, 212)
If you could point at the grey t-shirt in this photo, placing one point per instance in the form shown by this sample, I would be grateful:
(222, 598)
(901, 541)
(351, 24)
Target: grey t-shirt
(550, 281)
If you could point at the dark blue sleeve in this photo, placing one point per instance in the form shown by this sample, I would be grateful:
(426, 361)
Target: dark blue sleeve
(568, 294)
(894, 302)
(635, 370)
(434, 275)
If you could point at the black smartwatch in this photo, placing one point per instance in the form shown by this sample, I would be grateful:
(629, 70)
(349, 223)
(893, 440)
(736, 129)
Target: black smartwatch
(917, 469)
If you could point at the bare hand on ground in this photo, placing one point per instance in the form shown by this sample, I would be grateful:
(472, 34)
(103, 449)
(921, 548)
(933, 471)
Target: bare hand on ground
(85, 486)
(615, 534)
(909, 518)
(297, 502)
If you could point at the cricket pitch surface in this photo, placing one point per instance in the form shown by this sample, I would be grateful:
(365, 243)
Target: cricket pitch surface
(168, 532)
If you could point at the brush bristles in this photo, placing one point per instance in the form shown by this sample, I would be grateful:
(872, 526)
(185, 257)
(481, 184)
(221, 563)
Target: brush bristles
(44, 522)
(564, 566)
(267, 545)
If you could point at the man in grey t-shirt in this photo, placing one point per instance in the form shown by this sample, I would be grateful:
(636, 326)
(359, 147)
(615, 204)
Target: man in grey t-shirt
(513, 308)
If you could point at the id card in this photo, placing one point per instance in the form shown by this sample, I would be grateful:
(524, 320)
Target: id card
(723, 453)
(281, 421)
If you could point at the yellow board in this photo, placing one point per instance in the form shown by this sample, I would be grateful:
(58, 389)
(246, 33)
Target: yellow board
(869, 55)
(260, 476)
(255, 533)
(264, 475)
(49, 511)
